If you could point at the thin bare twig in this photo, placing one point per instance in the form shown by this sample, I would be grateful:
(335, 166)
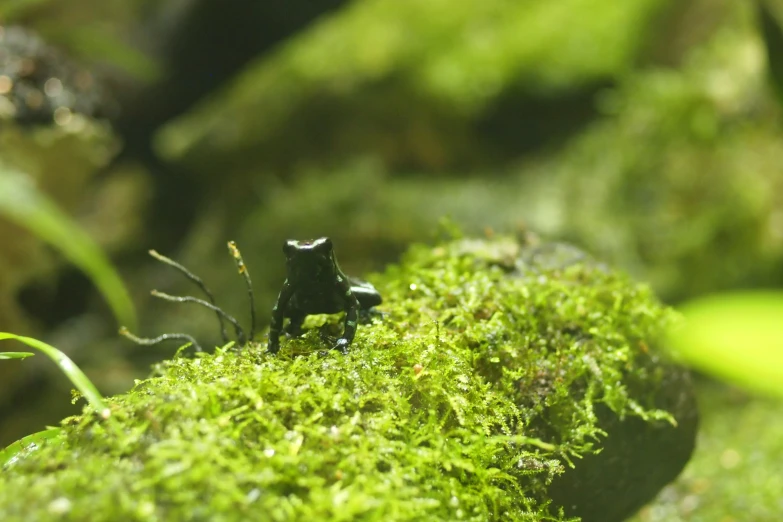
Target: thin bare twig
(232, 248)
(159, 339)
(196, 279)
(190, 299)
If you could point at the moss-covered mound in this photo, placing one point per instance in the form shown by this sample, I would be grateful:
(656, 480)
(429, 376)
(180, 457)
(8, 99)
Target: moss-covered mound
(476, 389)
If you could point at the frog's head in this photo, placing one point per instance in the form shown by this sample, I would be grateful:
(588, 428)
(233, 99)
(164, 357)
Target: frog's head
(310, 259)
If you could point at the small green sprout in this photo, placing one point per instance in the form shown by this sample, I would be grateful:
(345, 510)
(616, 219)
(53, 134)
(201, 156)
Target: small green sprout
(68, 367)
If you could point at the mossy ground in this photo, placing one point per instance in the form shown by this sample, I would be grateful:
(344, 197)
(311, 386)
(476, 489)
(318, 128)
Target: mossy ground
(462, 402)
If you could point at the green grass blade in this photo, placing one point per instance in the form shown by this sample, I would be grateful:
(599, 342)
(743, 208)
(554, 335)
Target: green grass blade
(15, 355)
(23, 204)
(11, 9)
(772, 35)
(737, 337)
(77, 377)
(16, 450)
(97, 44)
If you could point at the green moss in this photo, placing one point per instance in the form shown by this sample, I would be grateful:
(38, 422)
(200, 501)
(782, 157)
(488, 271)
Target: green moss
(463, 402)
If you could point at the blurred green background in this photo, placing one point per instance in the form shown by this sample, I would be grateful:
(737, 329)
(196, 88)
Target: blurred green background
(647, 132)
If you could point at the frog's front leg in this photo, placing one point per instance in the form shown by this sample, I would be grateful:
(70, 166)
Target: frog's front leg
(351, 316)
(278, 314)
(295, 320)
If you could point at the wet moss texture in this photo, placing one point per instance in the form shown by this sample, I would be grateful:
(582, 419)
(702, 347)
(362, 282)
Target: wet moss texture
(477, 387)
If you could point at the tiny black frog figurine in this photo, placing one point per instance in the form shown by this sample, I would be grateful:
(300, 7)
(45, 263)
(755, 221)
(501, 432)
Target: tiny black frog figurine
(315, 285)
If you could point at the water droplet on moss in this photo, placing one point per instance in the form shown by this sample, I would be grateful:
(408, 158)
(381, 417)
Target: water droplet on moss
(59, 506)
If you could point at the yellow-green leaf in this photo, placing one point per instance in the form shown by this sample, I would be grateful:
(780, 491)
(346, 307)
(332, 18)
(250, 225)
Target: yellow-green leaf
(15, 355)
(737, 337)
(11, 9)
(16, 450)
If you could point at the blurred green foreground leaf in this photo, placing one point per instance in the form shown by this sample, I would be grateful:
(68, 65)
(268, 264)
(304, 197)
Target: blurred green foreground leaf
(25, 205)
(737, 337)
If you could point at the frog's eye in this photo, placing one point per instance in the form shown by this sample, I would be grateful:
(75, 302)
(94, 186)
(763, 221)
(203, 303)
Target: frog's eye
(324, 244)
(289, 247)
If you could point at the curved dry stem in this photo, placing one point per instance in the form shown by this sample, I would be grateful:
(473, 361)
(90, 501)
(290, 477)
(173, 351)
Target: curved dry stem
(144, 341)
(234, 250)
(190, 299)
(198, 281)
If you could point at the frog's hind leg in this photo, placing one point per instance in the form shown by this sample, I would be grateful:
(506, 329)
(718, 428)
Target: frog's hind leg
(366, 315)
(294, 326)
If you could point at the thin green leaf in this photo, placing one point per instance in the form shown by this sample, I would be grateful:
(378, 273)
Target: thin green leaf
(21, 202)
(10, 9)
(15, 355)
(77, 377)
(773, 42)
(737, 337)
(96, 43)
(27, 444)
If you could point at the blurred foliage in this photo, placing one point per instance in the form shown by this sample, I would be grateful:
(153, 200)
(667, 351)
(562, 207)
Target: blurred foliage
(773, 42)
(682, 182)
(408, 71)
(91, 30)
(24, 204)
(43, 172)
(41, 84)
(14, 9)
(737, 337)
(58, 163)
(100, 44)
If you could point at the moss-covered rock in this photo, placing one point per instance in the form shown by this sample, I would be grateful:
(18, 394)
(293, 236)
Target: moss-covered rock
(494, 368)
(735, 471)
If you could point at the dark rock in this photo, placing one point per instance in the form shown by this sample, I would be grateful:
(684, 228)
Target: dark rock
(638, 458)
